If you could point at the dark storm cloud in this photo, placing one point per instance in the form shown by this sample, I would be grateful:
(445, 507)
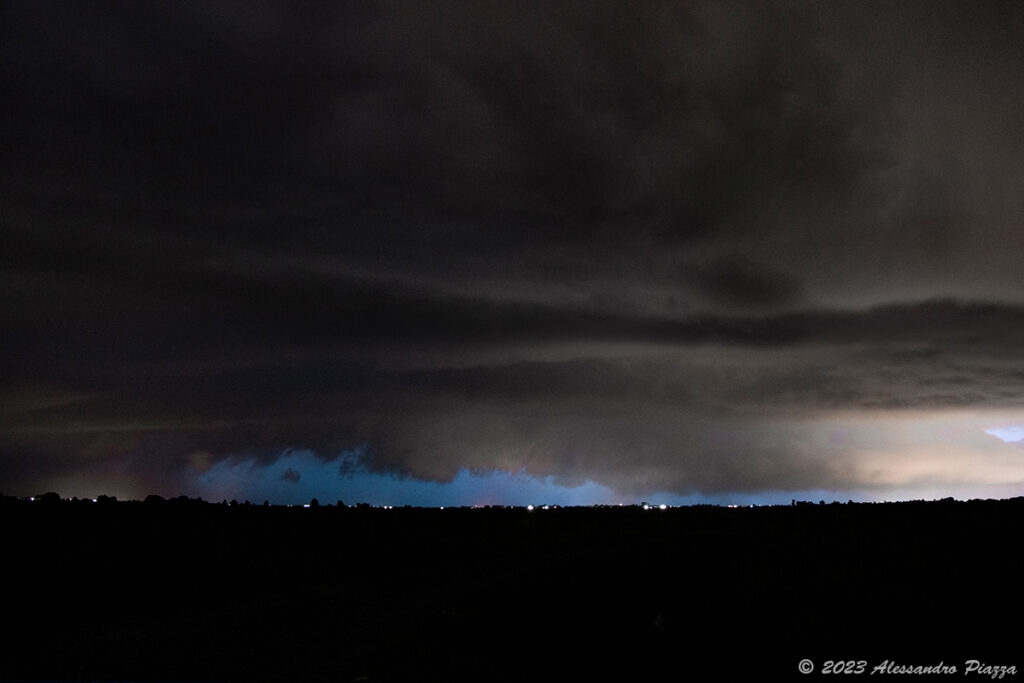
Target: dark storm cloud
(379, 135)
(741, 283)
(644, 243)
(727, 410)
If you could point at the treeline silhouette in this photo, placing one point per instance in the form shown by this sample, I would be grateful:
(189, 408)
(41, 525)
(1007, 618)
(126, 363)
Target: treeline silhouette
(52, 497)
(186, 590)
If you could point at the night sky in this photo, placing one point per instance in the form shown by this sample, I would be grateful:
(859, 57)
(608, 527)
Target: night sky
(452, 253)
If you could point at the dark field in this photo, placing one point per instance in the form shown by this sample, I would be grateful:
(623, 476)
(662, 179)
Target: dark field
(200, 592)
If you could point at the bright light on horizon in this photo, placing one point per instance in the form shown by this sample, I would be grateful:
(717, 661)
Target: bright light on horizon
(1009, 434)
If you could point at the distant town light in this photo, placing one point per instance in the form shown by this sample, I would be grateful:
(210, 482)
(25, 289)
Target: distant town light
(663, 507)
(647, 507)
(529, 507)
(306, 505)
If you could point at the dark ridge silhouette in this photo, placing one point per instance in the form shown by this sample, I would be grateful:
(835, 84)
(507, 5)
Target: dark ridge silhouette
(49, 498)
(189, 590)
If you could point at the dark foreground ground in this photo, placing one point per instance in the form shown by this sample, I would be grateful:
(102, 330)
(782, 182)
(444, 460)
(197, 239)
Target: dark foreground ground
(176, 592)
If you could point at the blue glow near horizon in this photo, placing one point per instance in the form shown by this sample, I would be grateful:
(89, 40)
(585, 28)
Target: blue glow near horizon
(247, 480)
(322, 480)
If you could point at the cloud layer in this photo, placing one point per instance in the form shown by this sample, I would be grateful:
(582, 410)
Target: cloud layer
(687, 247)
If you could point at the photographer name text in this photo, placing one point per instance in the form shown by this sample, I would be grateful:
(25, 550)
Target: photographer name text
(893, 668)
